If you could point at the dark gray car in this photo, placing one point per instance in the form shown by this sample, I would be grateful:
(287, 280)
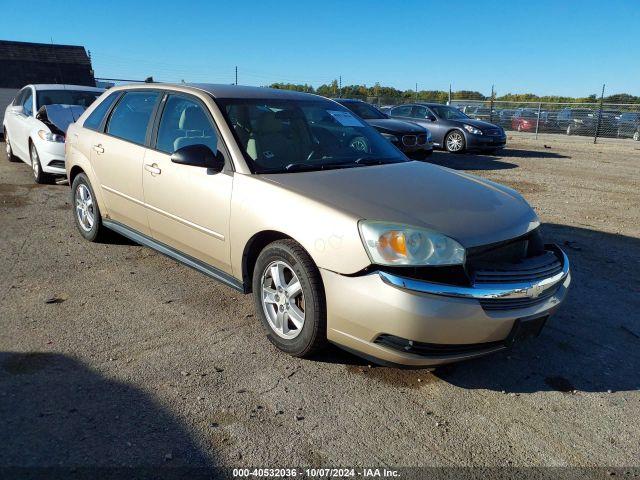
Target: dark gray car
(451, 129)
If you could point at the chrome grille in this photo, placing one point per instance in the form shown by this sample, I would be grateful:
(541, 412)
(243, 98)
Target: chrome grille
(422, 139)
(492, 131)
(526, 270)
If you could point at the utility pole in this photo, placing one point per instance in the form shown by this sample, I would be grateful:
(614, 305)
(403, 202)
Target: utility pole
(491, 106)
(236, 75)
(449, 94)
(416, 91)
(595, 138)
(340, 86)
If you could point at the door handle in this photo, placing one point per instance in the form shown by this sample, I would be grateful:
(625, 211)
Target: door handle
(98, 148)
(153, 169)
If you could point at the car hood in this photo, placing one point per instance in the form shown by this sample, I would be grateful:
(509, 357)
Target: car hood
(469, 209)
(473, 122)
(390, 125)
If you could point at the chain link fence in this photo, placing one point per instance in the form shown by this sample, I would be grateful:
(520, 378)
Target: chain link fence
(591, 120)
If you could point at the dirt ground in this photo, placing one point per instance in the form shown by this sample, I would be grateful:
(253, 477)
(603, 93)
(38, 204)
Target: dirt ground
(113, 355)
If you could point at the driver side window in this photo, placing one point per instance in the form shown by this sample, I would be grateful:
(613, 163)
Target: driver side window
(27, 104)
(184, 122)
(420, 112)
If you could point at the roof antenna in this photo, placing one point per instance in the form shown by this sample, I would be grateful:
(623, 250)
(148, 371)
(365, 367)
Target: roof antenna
(148, 80)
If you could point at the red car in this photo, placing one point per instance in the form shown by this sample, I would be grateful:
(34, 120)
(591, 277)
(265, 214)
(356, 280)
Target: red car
(525, 120)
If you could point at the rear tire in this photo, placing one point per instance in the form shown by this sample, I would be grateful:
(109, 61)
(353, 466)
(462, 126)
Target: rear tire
(86, 212)
(36, 167)
(455, 142)
(9, 151)
(289, 297)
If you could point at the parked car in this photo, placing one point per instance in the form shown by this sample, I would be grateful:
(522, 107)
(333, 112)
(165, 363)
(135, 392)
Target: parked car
(451, 129)
(582, 121)
(504, 117)
(483, 113)
(409, 137)
(629, 125)
(336, 233)
(35, 124)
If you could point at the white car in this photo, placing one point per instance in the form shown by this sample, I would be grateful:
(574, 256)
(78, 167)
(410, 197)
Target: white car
(35, 131)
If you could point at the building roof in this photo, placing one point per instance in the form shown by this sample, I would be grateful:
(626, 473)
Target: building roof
(23, 63)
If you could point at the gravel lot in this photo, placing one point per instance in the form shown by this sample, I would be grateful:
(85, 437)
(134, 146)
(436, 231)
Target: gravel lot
(111, 354)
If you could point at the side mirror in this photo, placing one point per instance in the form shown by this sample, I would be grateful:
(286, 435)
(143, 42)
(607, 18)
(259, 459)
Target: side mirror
(431, 118)
(198, 155)
(16, 109)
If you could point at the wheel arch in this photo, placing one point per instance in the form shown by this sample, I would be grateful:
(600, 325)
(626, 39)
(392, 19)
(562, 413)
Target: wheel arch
(252, 250)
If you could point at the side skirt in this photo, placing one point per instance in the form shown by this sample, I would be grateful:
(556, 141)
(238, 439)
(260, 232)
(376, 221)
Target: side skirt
(170, 252)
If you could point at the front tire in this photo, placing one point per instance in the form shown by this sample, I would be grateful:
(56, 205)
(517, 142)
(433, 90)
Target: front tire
(289, 298)
(36, 167)
(86, 212)
(9, 151)
(455, 142)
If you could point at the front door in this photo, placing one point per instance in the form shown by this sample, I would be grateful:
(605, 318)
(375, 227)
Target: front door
(117, 157)
(188, 206)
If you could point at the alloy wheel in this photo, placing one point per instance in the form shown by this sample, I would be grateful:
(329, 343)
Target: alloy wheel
(85, 209)
(35, 161)
(282, 299)
(636, 136)
(455, 142)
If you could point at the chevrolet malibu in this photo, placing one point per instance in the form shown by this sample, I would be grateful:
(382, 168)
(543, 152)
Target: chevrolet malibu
(338, 236)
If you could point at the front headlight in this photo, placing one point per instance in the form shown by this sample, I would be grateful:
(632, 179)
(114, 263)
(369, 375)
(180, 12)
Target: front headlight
(472, 129)
(50, 137)
(391, 138)
(429, 137)
(396, 244)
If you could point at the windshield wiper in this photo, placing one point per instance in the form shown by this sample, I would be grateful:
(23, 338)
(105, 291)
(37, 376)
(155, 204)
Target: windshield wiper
(374, 161)
(306, 167)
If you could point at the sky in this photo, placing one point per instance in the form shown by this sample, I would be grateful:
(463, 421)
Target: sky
(536, 46)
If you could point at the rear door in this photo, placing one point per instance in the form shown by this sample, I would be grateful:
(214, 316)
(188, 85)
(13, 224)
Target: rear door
(188, 206)
(117, 157)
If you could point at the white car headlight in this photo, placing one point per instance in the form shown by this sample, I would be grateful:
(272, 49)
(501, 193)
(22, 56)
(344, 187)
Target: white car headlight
(429, 136)
(391, 138)
(50, 137)
(472, 129)
(396, 244)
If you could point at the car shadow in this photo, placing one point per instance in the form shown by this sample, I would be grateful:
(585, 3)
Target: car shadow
(519, 153)
(60, 419)
(469, 161)
(591, 344)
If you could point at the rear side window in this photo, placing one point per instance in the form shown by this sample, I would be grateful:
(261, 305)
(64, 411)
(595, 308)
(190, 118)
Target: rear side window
(94, 121)
(404, 111)
(184, 122)
(130, 118)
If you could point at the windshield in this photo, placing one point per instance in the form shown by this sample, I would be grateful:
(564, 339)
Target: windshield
(66, 97)
(364, 110)
(448, 113)
(280, 136)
